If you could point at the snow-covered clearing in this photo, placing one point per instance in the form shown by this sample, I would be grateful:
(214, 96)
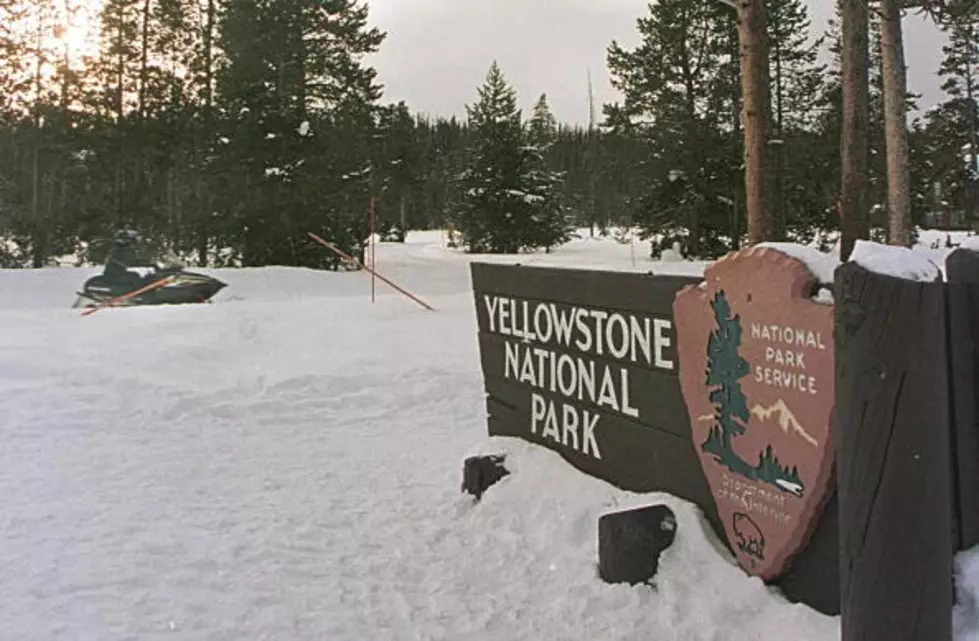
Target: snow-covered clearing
(285, 464)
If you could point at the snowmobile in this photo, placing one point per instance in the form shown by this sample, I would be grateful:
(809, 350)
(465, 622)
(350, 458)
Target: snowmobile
(184, 287)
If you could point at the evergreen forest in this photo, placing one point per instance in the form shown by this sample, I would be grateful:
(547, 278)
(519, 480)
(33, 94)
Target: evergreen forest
(225, 130)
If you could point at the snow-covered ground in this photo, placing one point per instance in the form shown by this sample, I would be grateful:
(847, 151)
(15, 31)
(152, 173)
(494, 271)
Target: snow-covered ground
(286, 463)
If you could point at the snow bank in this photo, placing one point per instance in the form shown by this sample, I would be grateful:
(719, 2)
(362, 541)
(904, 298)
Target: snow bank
(287, 466)
(966, 614)
(694, 571)
(286, 463)
(899, 262)
(970, 242)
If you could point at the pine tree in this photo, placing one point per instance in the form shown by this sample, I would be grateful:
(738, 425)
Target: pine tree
(796, 76)
(302, 123)
(444, 142)
(960, 72)
(542, 129)
(681, 94)
(554, 224)
(399, 163)
(508, 201)
(115, 98)
(13, 55)
(39, 84)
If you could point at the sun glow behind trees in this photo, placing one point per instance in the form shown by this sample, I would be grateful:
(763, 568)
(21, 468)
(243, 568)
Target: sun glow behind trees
(44, 44)
(77, 33)
(54, 48)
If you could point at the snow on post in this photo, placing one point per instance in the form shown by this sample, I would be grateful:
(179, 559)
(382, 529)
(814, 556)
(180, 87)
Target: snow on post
(899, 262)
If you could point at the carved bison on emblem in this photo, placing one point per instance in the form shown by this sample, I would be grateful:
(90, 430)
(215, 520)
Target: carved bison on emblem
(749, 537)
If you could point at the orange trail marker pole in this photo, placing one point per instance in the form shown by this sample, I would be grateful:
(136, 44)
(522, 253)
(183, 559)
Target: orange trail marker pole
(359, 264)
(373, 250)
(118, 299)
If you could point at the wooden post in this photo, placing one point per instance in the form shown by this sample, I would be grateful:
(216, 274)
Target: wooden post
(893, 458)
(962, 268)
(373, 250)
(479, 473)
(370, 244)
(631, 541)
(353, 261)
(404, 218)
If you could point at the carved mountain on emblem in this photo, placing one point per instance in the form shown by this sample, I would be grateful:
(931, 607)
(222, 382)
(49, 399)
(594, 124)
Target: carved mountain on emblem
(784, 418)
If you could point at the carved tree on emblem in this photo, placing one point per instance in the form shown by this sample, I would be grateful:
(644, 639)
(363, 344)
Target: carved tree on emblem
(725, 368)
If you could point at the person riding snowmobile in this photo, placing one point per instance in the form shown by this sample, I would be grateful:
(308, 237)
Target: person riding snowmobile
(123, 255)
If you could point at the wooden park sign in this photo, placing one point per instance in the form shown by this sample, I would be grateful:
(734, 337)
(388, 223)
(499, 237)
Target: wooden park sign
(757, 371)
(584, 363)
(589, 364)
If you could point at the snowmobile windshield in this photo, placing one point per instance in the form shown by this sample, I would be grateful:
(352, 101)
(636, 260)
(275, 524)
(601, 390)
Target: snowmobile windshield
(169, 260)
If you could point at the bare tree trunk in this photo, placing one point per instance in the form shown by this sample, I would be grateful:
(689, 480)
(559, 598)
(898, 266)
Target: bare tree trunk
(203, 228)
(120, 108)
(120, 66)
(736, 100)
(37, 225)
(137, 192)
(781, 216)
(66, 59)
(301, 59)
(753, 34)
(854, 222)
(689, 80)
(144, 59)
(172, 224)
(590, 156)
(895, 124)
(209, 59)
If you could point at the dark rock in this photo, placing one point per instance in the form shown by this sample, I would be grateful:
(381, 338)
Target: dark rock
(480, 472)
(630, 543)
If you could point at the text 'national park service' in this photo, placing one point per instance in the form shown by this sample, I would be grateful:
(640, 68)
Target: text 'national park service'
(539, 337)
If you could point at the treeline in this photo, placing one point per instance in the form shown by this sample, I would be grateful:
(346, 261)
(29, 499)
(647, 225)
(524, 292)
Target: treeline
(227, 129)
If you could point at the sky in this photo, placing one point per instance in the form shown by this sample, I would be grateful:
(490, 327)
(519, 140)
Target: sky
(438, 51)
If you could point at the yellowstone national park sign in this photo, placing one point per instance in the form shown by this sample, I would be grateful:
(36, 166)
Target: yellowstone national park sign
(584, 363)
(757, 371)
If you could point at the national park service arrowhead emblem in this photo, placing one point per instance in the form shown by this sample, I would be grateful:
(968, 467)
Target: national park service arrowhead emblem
(756, 365)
